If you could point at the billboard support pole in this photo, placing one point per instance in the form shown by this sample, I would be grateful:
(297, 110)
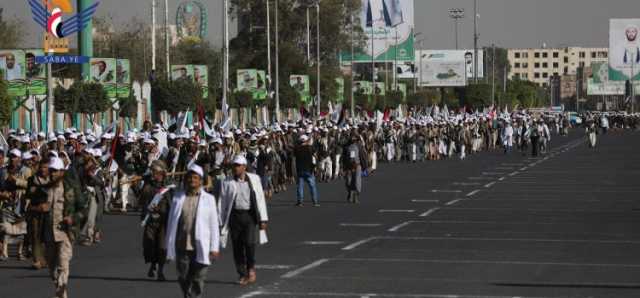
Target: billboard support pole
(50, 110)
(352, 69)
(277, 68)
(633, 94)
(318, 49)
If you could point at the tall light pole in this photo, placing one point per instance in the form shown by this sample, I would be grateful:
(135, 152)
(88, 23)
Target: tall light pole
(318, 50)
(166, 38)
(456, 14)
(415, 76)
(225, 72)
(493, 74)
(475, 41)
(268, 50)
(154, 5)
(277, 68)
(308, 36)
(352, 70)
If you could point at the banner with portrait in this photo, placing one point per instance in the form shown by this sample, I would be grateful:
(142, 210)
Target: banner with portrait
(103, 71)
(12, 65)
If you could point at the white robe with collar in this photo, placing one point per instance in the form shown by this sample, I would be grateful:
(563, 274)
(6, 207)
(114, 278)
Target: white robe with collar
(207, 225)
(228, 195)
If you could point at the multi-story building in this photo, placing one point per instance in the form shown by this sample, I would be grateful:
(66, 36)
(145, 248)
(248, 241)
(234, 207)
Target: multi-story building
(540, 65)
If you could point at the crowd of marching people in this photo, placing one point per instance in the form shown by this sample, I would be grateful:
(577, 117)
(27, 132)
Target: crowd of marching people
(56, 188)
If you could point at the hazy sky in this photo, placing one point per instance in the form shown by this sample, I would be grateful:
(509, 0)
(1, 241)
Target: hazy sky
(507, 23)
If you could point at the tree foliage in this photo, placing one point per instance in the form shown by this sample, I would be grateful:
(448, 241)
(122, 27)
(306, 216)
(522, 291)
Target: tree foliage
(128, 106)
(5, 102)
(81, 97)
(176, 96)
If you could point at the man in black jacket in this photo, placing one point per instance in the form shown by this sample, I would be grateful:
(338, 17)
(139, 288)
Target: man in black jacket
(304, 168)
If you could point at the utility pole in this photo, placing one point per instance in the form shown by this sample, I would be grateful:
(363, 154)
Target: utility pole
(308, 37)
(225, 72)
(166, 37)
(268, 50)
(318, 50)
(277, 69)
(395, 63)
(352, 70)
(493, 74)
(475, 41)
(154, 5)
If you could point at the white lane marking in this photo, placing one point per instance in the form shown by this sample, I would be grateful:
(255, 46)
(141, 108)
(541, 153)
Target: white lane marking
(429, 212)
(294, 273)
(514, 173)
(492, 173)
(502, 178)
(453, 202)
(323, 242)
(361, 295)
(533, 164)
(371, 225)
(489, 184)
(480, 178)
(504, 168)
(400, 226)
(512, 240)
(395, 211)
(467, 183)
(524, 169)
(490, 262)
(473, 193)
(273, 267)
(425, 201)
(445, 191)
(512, 164)
(354, 245)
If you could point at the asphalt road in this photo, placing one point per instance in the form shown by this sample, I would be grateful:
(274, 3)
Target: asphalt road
(566, 224)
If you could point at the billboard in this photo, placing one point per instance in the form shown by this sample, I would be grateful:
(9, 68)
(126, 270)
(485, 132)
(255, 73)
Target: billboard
(301, 84)
(340, 91)
(437, 73)
(261, 91)
(380, 89)
(402, 88)
(13, 71)
(388, 25)
(599, 83)
(624, 49)
(247, 80)
(36, 74)
(455, 55)
(103, 71)
(123, 78)
(363, 87)
(201, 77)
(181, 72)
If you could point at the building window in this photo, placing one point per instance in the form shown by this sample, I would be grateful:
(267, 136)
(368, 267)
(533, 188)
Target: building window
(581, 64)
(556, 54)
(605, 55)
(525, 75)
(583, 55)
(525, 65)
(566, 59)
(517, 65)
(544, 85)
(545, 75)
(556, 64)
(536, 65)
(517, 55)
(545, 65)
(525, 55)
(555, 74)
(516, 76)
(536, 55)
(593, 55)
(566, 70)
(536, 75)
(545, 55)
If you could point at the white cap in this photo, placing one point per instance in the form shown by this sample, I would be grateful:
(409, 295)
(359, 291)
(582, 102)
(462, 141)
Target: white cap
(240, 160)
(56, 164)
(96, 152)
(304, 138)
(61, 138)
(41, 135)
(197, 169)
(27, 156)
(149, 141)
(53, 153)
(15, 153)
(25, 139)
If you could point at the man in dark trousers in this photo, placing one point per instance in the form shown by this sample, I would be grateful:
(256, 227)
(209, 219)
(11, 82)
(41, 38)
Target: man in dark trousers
(243, 208)
(305, 169)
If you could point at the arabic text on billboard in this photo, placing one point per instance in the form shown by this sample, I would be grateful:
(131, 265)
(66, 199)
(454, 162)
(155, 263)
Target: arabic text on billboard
(443, 73)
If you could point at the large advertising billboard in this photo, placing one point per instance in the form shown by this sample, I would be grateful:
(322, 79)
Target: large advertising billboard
(454, 55)
(12, 65)
(201, 77)
(123, 78)
(624, 49)
(247, 80)
(599, 83)
(363, 87)
(388, 25)
(103, 71)
(437, 73)
(181, 72)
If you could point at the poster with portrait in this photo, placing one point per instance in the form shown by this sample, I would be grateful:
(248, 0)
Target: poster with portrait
(123, 78)
(363, 87)
(402, 87)
(12, 65)
(181, 72)
(201, 77)
(247, 80)
(301, 84)
(261, 91)
(380, 89)
(36, 74)
(103, 71)
(624, 49)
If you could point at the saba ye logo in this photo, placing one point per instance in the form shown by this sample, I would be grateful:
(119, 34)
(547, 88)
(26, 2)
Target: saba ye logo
(49, 15)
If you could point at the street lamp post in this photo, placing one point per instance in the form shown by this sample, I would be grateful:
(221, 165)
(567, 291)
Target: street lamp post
(475, 41)
(277, 68)
(493, 74)
(318, 50)
(456, 14)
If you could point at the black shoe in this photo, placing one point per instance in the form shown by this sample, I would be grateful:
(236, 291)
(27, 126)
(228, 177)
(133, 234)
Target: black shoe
(151, 273)
(161, 277)
(299, 204)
